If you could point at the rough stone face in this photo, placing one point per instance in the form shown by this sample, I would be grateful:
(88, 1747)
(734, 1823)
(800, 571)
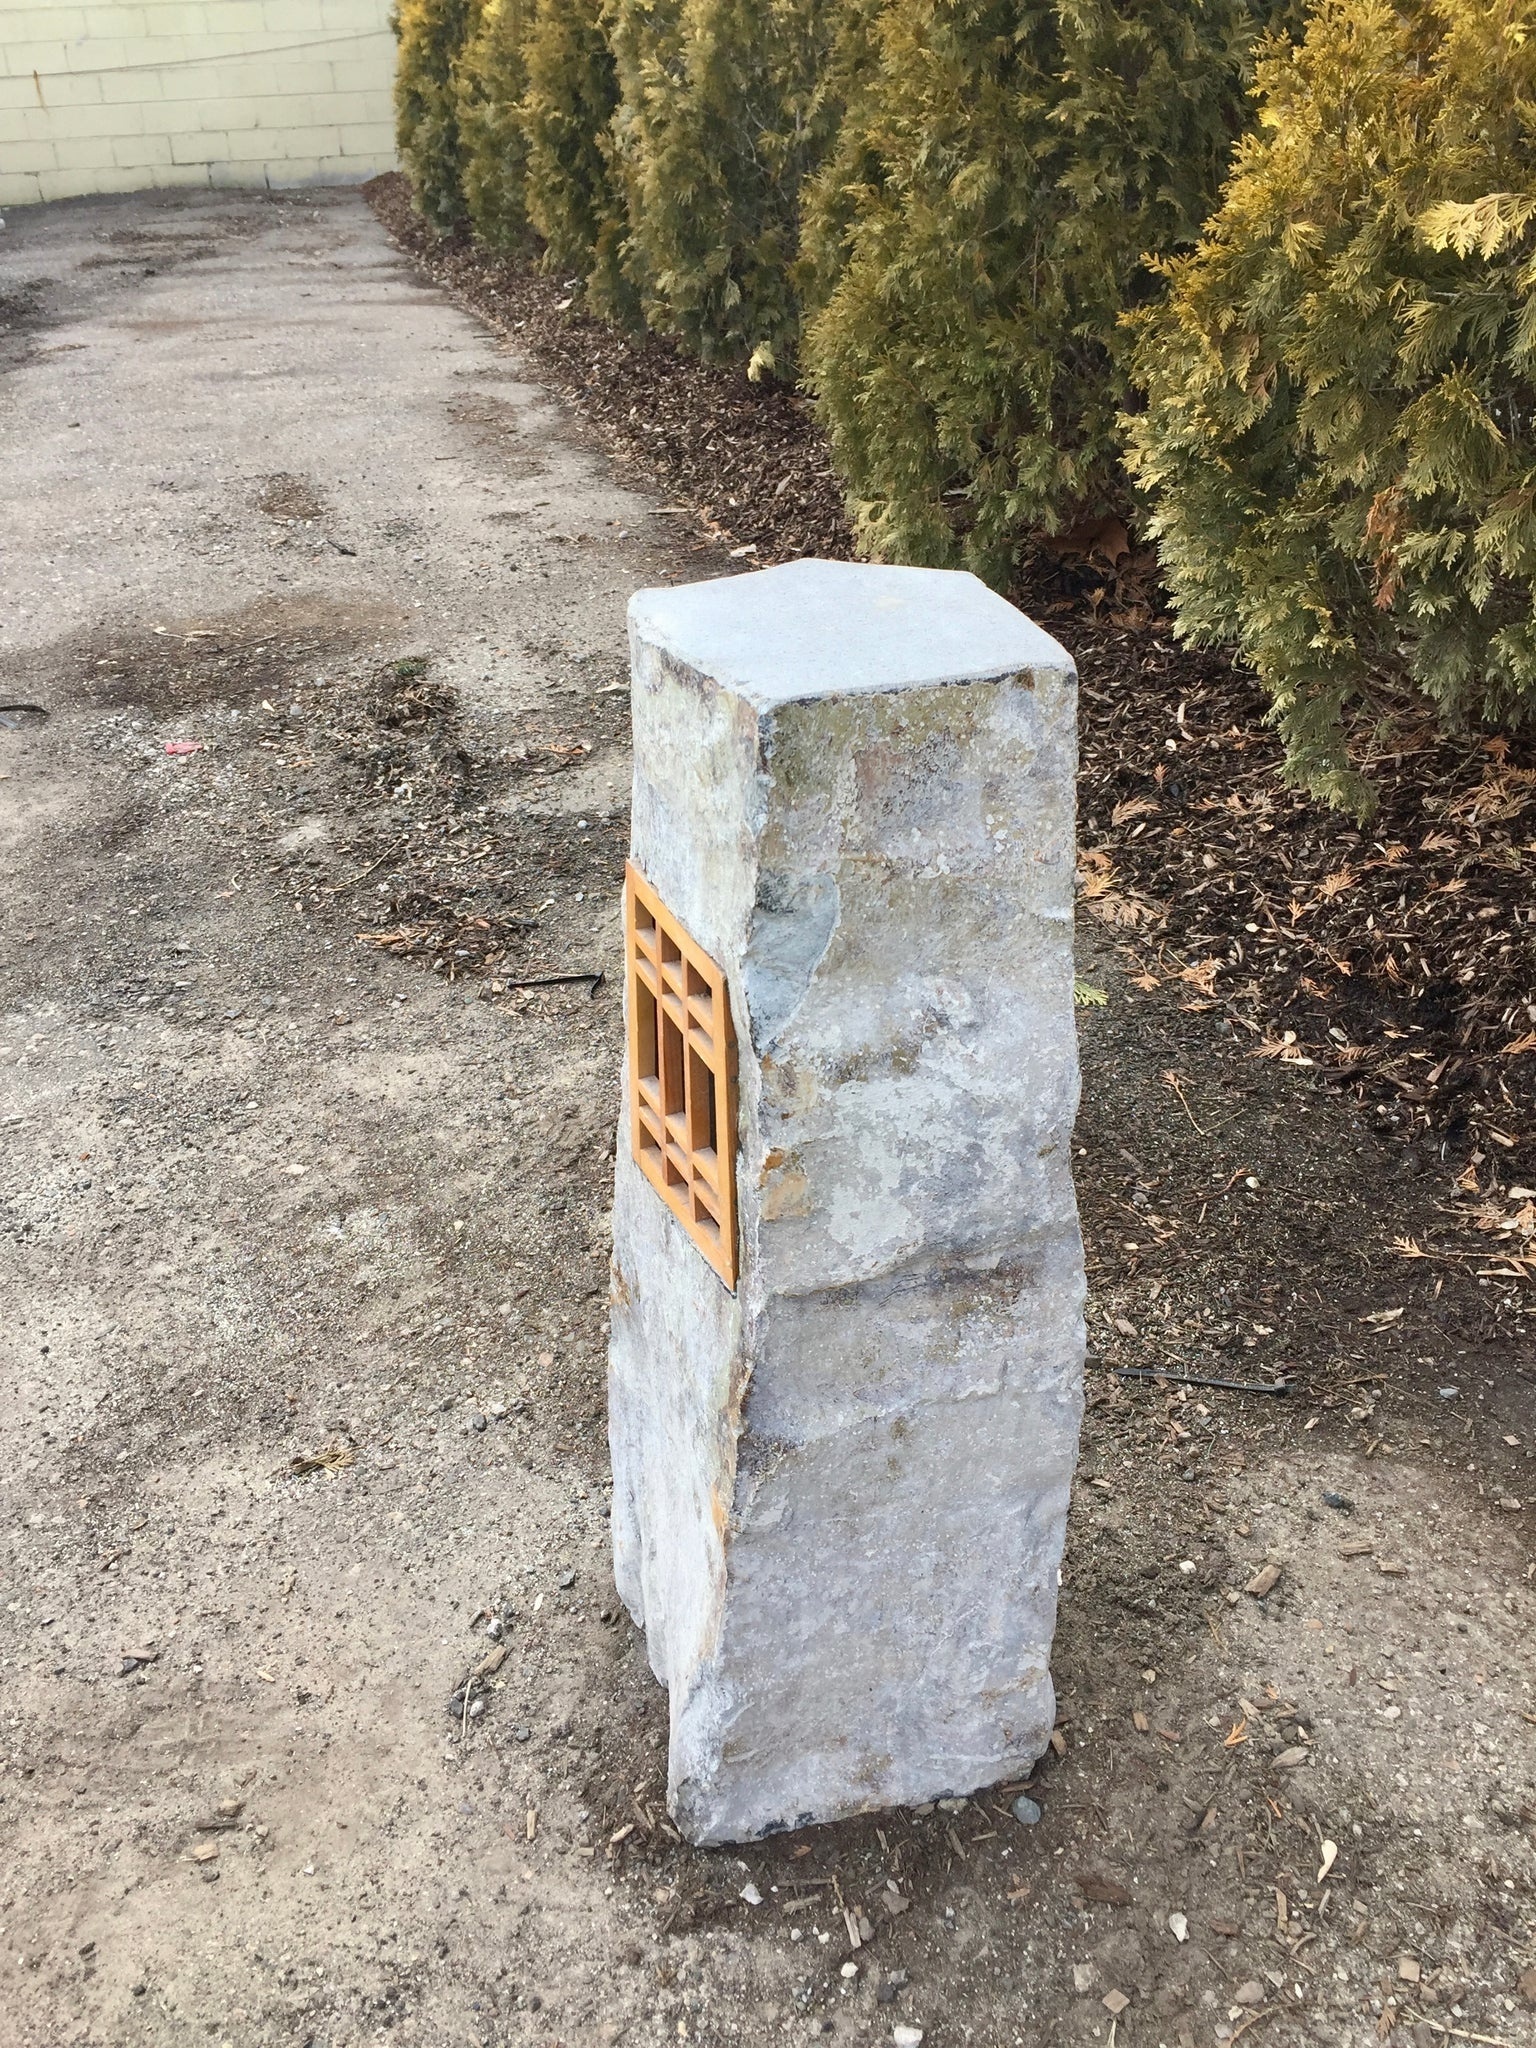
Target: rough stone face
(840, 1492)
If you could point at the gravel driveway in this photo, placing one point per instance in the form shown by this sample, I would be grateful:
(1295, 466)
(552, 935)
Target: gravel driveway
(269, 1193)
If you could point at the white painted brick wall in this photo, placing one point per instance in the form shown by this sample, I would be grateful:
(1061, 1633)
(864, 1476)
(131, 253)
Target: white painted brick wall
(118, 95)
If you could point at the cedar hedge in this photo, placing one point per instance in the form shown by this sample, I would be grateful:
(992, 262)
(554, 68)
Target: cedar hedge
(1034, 261)
(431, 35)
(574, 201)
(1340, 432)
(489, 78)
(1015, 162)
(723, 110)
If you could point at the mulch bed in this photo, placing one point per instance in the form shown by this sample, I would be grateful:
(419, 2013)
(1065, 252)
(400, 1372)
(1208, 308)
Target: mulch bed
(1398, 959)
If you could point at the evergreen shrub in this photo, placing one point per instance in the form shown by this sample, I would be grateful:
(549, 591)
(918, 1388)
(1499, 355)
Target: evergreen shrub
(723, 111)
(490, 81)
(572, 199)
(430, 35)
(976, 239)
(1340, 430)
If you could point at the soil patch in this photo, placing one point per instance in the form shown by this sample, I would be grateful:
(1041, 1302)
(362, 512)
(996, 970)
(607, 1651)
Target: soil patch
(191, 662)
(498, 430)
(290, 498)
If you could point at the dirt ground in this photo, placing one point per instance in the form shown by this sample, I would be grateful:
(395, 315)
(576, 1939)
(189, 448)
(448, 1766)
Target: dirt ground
(303, 1194)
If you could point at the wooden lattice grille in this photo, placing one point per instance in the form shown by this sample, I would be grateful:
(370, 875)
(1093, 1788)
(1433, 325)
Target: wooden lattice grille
(682, 1074)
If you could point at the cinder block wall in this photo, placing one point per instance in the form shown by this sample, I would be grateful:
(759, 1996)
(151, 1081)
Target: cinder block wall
(118, 95)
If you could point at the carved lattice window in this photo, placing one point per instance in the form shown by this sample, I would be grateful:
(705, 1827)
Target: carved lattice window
(682, 1074)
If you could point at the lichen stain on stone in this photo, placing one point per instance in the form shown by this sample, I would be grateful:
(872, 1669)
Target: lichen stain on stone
(785, 1193)
(795, 1086)
(900, 1056)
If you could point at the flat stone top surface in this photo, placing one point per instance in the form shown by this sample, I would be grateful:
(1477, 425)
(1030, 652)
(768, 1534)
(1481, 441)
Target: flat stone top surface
(834, 629)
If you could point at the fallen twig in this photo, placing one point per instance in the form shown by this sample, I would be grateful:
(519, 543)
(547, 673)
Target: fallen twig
(1195, 1379)
(334, 1458)
(560, 980)
(1174, 1083)
(1457, 2033)
(390, 853)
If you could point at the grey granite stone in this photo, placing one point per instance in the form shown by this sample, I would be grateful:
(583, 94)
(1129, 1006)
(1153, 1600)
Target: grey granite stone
(840, 1491)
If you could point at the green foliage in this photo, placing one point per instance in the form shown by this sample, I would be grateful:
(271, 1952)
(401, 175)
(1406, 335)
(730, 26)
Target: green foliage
(430, 35)
(723, 110)
(573, 201)
(1340, 431)
(1005, 167)
(490, 79)
(851, 165)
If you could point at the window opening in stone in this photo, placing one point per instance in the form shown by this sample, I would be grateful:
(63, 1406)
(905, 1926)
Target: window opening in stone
(682, 1060)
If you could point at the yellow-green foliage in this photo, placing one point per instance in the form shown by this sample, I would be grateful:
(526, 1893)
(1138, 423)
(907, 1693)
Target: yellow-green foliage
(1005, 168)
(644, 38)
(567, 116)
(850, 166)
(1339, 434)
(723, 111)
(490, 78)
(431, 34)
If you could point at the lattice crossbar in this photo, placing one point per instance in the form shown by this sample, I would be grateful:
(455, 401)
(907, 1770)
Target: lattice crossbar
(682, 1073)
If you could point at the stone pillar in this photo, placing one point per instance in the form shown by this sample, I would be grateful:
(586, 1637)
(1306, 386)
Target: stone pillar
(840, 1485)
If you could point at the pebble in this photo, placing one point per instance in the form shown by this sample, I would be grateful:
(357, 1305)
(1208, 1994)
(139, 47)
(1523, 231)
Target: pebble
(907, 2037)
(522, 1734)
(567, 1580)
(1025, 1810)
(477, 1421)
